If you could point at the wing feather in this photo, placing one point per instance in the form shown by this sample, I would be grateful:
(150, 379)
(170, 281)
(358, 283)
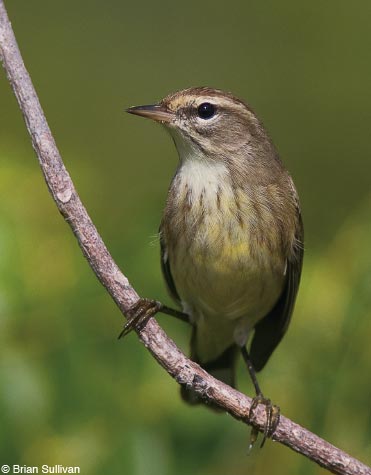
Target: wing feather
(270, 330)
(165, 267)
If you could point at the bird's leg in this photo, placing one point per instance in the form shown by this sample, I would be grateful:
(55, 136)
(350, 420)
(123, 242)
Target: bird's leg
(272, 411)
(143, 310)
(184, 317)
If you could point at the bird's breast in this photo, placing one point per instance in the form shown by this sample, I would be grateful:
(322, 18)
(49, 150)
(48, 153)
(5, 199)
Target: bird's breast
(218, 254)
(209, 219)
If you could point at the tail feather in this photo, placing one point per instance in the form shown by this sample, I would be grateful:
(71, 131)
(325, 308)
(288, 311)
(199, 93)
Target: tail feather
(222, 368)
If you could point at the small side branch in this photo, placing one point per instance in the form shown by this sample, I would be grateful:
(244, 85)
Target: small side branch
(152, 336)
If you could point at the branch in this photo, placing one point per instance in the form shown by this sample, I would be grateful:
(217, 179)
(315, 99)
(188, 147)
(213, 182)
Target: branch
(183, 370)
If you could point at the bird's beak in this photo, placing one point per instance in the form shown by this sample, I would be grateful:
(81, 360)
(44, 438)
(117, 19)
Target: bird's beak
(155, 112)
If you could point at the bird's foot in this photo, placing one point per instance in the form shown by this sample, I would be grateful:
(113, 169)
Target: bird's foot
(139, 314)
(273, 418)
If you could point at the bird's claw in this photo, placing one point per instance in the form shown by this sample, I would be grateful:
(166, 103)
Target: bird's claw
(273, 418)
(139, 314)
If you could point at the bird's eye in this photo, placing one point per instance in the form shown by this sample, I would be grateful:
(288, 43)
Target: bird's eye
(206, 110)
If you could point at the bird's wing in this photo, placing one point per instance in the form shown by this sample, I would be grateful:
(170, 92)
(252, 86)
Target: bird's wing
(165, 266)
(270, 330)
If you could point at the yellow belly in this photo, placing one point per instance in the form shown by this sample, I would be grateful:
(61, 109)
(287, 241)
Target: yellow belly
(225, 255)
(224, 284)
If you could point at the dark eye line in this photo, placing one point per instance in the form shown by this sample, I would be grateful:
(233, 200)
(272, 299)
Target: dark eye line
(191, 111)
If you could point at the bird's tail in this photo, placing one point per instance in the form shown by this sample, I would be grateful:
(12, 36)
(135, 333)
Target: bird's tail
(222, 368)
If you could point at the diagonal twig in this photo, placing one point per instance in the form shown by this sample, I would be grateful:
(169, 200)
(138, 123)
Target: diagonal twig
(152, 336)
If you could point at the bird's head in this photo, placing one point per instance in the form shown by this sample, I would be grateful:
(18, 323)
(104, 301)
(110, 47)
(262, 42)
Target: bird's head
(208, 123)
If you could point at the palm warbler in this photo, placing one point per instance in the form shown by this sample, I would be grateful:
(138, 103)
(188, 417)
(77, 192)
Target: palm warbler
(231, 232)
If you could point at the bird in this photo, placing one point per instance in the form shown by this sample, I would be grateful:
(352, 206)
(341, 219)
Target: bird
(231, 235)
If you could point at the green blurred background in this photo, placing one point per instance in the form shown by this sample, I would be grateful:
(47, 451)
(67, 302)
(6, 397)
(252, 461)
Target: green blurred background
(70, 392)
